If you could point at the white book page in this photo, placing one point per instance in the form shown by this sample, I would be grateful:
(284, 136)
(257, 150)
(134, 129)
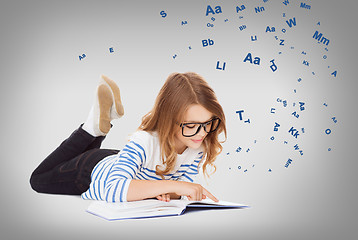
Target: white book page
(209, 202)
(150, 208)
(135, 209)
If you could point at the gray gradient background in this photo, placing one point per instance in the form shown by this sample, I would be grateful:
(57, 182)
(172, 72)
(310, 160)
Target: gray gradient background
(46, 92)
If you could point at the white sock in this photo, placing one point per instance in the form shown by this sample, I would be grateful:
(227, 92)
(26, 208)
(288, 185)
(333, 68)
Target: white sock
(89, 125)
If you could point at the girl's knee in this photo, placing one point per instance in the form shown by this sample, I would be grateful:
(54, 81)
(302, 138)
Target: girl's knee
(34, 183)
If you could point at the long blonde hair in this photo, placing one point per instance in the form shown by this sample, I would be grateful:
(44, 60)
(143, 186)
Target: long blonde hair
(179, 92)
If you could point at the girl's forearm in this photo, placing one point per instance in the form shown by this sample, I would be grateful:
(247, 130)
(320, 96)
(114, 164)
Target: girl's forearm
(143, 189)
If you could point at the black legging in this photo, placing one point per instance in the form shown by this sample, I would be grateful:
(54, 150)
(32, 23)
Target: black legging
(67, 170)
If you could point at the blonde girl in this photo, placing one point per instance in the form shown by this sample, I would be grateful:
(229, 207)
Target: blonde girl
(161, 159)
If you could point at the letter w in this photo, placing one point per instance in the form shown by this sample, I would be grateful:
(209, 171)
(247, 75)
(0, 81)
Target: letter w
(291, 22)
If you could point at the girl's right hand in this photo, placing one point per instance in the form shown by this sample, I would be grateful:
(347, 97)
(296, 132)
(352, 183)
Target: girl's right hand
(193, 191)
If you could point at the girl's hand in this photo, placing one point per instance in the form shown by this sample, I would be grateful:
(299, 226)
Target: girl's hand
(164, 197)
(193, 191)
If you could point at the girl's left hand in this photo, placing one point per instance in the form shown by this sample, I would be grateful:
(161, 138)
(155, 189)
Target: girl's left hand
(164, 197)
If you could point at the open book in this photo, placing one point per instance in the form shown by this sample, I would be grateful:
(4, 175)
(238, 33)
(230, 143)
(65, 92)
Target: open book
(152, 208)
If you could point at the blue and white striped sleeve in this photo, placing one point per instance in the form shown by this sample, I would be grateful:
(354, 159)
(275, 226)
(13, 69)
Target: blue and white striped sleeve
(123, 171)
(191, 174)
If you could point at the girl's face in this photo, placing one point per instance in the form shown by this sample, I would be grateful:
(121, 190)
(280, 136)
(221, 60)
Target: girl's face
(195, 114)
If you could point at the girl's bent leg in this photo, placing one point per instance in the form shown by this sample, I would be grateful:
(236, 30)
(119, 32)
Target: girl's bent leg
(72, 177)
(78, 142)
(67, 169)
(62, 166)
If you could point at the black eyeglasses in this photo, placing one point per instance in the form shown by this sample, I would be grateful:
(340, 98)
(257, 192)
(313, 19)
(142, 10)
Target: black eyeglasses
(191, 129)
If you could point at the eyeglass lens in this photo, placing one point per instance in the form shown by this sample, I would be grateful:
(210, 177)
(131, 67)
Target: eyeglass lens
(191, 129)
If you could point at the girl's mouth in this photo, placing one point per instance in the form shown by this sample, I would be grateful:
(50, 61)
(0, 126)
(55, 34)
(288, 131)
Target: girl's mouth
(197, 141)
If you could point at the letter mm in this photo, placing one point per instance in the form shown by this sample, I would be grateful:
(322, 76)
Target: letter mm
(304, 5)
(289, 161)
(318, 36)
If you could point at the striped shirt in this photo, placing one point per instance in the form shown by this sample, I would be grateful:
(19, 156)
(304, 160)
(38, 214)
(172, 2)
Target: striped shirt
(111, 177)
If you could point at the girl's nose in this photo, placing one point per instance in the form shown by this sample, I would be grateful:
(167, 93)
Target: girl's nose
(202, 132)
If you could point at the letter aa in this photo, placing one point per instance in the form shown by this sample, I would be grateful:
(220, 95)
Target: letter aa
(210, 10)
(249, 58)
